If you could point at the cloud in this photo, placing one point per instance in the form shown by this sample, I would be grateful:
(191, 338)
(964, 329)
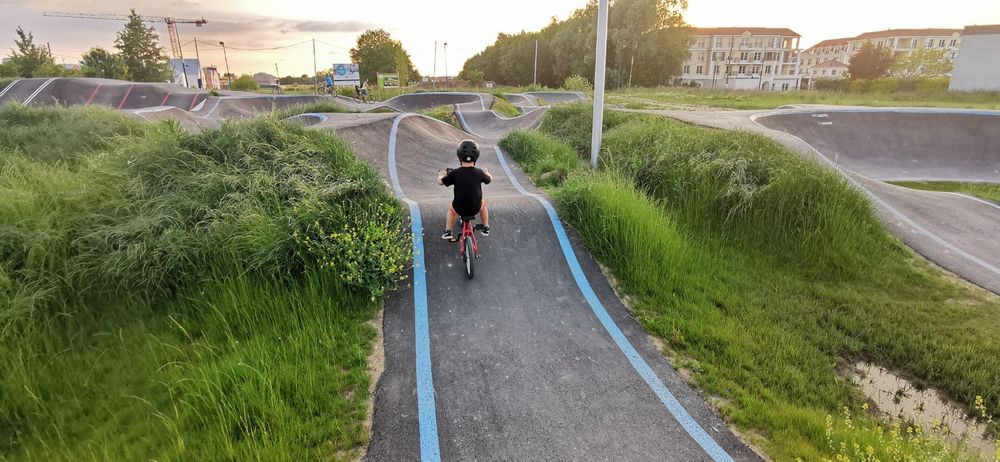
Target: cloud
(332, 26)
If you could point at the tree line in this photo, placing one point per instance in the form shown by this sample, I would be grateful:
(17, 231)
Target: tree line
(139, 57)
(648, 42)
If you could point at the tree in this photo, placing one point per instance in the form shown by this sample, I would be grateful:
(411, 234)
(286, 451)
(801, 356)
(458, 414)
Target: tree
(871, 62)
(922, 62)
(31, 60)
(403, 67)
(474, 77)
(376, 52)
(650, 32)
(99, 62)
(140, 49)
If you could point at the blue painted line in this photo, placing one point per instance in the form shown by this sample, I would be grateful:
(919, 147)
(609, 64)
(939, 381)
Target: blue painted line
(426, 411)
(707, 443)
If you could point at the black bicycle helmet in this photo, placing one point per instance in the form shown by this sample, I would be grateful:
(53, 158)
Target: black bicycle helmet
(468, 151)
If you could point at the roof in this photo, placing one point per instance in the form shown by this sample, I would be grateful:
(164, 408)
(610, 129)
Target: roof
(829, 63)
(982, 30)
(831, 43)
(740, 30)
(907, 32)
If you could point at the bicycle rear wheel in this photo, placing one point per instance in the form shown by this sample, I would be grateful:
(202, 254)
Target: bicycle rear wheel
(470, 257)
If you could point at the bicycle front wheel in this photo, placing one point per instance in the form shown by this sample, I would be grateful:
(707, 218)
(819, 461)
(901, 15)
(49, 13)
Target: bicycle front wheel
(470, 270)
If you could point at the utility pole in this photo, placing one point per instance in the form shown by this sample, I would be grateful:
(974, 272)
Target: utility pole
(602, 49)
(434, 79)
(197, 56)
(315, 70)
(277, 79)
(630, 67)
(534, 76)
(446, 66)
(229, 75)
(184, 68)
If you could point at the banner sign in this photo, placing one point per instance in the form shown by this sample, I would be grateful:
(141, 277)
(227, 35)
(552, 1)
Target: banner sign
(388, 80)
(346, 74)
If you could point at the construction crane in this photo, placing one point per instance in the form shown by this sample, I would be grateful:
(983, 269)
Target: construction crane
(175, 41)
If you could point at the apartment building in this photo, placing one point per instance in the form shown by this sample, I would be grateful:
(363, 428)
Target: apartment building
(978, 62)
(744, 58)
(900, 41)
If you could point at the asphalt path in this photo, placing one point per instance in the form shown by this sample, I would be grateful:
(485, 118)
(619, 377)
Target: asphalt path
(534, 359)
(870, 146)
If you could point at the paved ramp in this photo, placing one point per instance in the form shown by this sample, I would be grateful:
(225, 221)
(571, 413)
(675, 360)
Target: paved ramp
(534, 359)
(918, 145)
(869, 145)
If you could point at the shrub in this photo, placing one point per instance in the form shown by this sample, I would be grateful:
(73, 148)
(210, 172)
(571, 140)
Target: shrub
(245, 83)
(577, 83)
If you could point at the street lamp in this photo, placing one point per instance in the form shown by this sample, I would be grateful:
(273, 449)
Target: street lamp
(229, 76)
(446, 66)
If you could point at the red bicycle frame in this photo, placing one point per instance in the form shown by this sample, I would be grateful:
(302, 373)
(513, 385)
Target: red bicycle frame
(467, 233)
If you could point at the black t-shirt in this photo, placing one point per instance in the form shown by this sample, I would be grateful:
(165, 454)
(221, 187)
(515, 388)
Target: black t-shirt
(468, 182)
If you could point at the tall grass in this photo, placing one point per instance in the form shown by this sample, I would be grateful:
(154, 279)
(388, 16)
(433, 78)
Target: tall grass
(762, 272)
(186, 296)
(503, 107)
(444, 113)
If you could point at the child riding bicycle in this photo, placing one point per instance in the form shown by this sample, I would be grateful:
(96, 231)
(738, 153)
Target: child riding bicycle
(468, 181)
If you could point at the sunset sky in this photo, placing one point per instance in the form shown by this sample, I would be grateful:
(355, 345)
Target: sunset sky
(467, 26)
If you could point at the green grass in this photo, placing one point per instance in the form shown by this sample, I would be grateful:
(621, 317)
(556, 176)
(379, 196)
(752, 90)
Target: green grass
(762, 272)
(444, 113)
(988, 191)
(657, 98)
(503, 107)
(176, 296)
(320, 107)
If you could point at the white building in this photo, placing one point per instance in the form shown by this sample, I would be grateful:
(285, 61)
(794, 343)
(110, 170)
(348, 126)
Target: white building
(977, 66)
(744, 58)
(899, 41)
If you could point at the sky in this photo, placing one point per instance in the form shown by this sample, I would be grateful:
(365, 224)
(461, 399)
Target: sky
(467, 26)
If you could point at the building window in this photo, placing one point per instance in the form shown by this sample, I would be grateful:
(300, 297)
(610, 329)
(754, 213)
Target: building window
(715, 70)
(757, 56)
(941, 43)
(767, 70)
(718, 55)
(833, 72)
(743, 70)
(687, 69)
(952, 43)
(784, 87)
(718, 43)
(824, 71)
(744, 55)
(930, 42)
(699, 70)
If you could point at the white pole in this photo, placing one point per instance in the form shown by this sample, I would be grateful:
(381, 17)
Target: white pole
(534, 75)
(434, 78)
(602, 48)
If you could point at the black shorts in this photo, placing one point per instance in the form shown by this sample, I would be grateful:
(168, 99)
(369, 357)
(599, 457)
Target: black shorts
(467, 210)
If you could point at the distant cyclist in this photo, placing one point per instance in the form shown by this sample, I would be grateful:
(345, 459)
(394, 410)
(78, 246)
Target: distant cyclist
(468, 181)
(329, 84)
(363, 91)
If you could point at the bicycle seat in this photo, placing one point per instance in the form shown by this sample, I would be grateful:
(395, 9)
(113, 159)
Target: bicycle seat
(468, 217)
